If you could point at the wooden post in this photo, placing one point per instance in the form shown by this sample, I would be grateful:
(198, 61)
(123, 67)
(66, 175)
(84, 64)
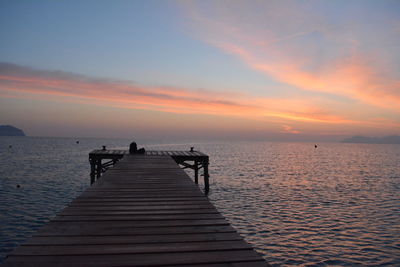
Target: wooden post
(196, 172)
(92, 170)
(206, 176)
(98, 173)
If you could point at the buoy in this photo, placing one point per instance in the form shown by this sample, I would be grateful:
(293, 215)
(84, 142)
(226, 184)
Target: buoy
(18, 186)
(77, 142)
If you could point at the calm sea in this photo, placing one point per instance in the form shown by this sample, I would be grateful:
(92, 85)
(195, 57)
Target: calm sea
(338, 204)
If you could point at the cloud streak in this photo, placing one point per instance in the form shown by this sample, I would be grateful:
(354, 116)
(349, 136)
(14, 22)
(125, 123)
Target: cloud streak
(124, 94)
(300, 45)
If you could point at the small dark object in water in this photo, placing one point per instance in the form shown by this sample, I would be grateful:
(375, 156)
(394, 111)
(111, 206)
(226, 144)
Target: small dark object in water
(134, 150)
(315, 146)
(18, 186)
(191, 149)
(77, 142)
(10, 146)
(104, 148)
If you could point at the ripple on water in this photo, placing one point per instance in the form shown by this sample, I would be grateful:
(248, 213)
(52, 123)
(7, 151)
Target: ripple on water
(321, 209)
(337, 205)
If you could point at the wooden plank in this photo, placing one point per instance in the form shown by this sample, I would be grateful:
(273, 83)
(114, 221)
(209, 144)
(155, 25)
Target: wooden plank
(149, 259)
(138, 179)
(149, 217)
(149, 185)
(109, 229)
(150, 188)
(98, 225)
(130, 249)
(146, 239)
(148, 176)
(138, 212)
(154, 185)
(136, 203)
(138, 200)
(141, 194)
(131, 196)
(139, 208)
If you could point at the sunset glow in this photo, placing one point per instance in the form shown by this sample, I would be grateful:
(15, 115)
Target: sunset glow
(284, 68)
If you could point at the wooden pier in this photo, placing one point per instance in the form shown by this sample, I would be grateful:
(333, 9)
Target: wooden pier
(143, 211)
(102, 159)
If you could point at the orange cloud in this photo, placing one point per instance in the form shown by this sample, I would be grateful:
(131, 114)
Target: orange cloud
(68, 87)
(353, 77)
(305, 51)
(289, 129)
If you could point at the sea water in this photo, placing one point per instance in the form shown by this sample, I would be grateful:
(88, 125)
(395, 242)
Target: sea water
(337, 204)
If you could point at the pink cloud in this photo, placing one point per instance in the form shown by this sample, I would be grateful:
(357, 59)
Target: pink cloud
(293, 44)
(289, 129)
(73, 87)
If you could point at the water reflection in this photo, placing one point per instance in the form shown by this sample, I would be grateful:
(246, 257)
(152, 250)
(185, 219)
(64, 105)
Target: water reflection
(331, 205)
(334, 205)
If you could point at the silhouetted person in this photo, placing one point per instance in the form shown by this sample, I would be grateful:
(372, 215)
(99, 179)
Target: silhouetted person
(315, 146)
(133, 149)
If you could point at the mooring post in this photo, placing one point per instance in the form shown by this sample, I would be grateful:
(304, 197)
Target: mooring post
(206, 176)
(196, 172)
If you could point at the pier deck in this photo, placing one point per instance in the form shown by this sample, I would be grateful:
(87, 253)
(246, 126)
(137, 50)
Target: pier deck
(102, 159)
(144, 211)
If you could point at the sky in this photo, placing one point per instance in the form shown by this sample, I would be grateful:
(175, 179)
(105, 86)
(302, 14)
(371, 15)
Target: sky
(251, 70)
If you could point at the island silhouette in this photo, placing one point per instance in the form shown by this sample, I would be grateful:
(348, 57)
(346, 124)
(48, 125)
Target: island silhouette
(390, 139)
(8, 130)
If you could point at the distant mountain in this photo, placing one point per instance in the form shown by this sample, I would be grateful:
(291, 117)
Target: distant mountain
(8, 130)
(391, 139)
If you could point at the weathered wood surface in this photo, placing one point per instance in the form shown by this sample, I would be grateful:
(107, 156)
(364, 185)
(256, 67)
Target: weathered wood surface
(145, 211)
(192, 159)
(150, 152)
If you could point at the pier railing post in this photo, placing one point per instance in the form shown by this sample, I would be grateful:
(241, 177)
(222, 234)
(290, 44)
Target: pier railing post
(98, 172)
(206, 176)
(92, 170)
(196, 172)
